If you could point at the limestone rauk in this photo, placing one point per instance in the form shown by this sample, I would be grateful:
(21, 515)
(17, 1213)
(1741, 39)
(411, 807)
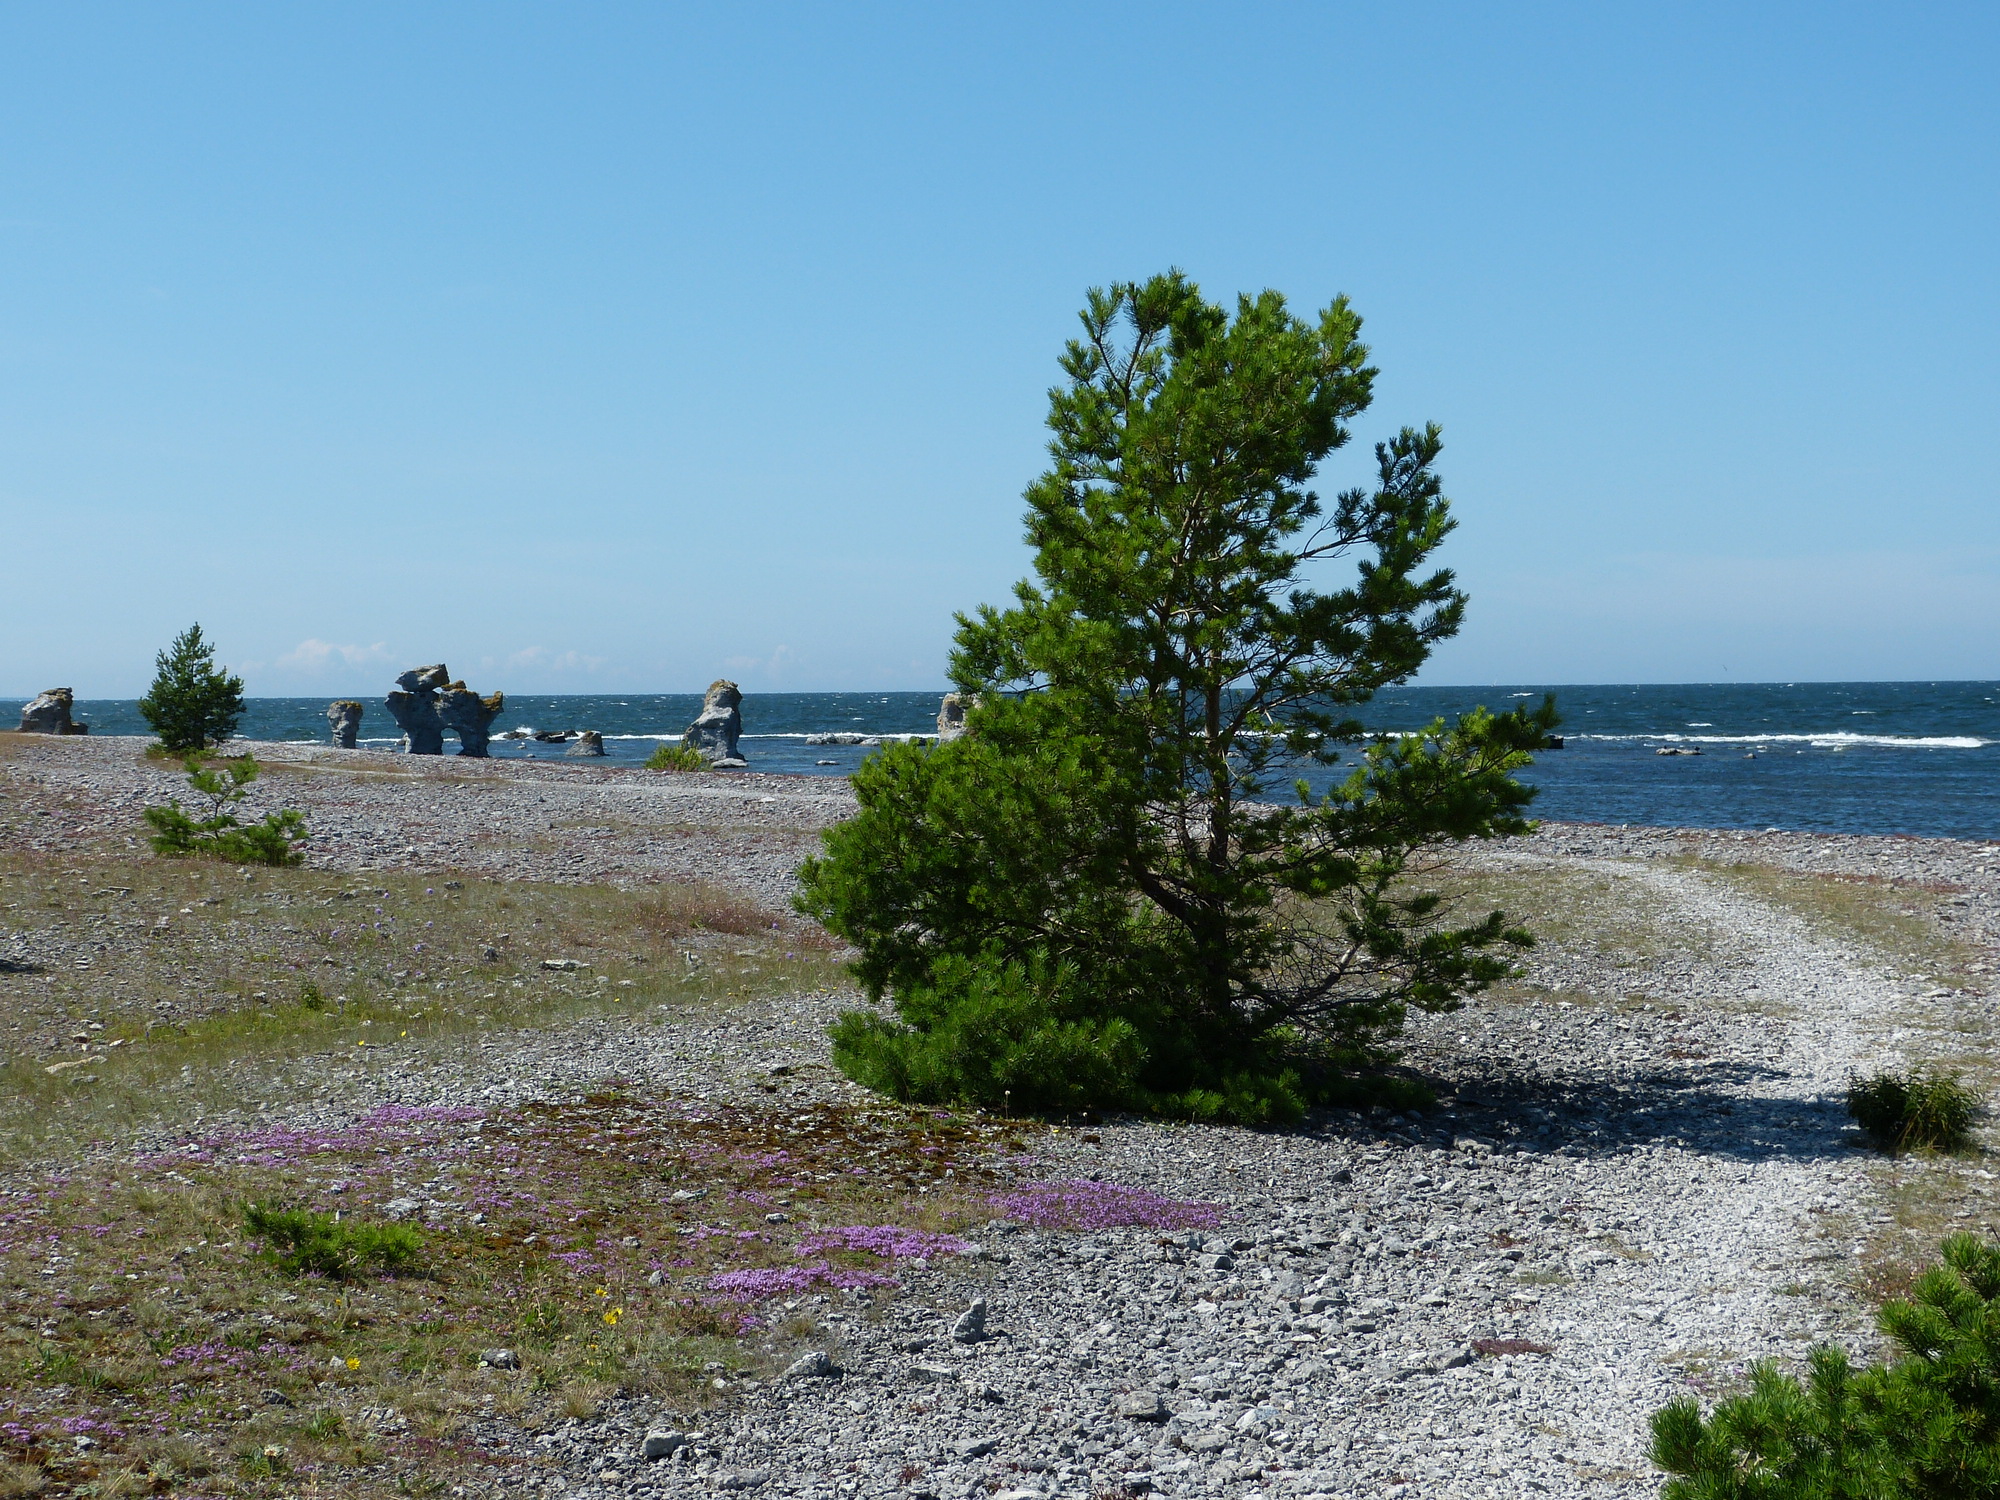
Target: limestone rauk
(49, 713)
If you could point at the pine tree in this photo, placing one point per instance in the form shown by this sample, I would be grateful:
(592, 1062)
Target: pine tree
(1093, 890)
(192, 704)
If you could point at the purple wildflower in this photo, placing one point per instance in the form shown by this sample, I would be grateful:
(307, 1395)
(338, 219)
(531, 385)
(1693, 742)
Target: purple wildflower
(1082, 1204)
(890, 1241)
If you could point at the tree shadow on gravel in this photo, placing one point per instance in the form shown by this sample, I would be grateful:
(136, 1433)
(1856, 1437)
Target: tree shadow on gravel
(1701, 1112)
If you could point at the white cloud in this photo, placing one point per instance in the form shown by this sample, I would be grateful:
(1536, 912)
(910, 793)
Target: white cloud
(314, 655)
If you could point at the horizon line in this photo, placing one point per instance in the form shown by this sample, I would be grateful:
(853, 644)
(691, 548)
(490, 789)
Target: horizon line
(1530, 684)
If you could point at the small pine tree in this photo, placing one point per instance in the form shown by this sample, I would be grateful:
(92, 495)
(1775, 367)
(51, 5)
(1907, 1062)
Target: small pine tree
(193, 704)
(1925, 1426)
(219, 835)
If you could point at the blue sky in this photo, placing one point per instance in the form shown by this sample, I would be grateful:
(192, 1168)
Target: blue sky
(616, 347)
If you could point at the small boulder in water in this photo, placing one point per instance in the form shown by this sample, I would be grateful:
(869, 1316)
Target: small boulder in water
(590, 742)
(951, 714)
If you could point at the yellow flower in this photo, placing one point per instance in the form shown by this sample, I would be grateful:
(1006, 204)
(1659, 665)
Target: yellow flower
(602, 1293)
(611, 1318)
(353, 1363)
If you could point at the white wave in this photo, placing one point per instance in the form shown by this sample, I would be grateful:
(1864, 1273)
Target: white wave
(784, 735)
(1835, 740)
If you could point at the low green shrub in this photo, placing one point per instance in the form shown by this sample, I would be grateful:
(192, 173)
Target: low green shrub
(312, 1244)
(677, 758)
(984, 1035)
(1923, 1427)
(219, 835)
(1039, 1038)
(1914, 1110)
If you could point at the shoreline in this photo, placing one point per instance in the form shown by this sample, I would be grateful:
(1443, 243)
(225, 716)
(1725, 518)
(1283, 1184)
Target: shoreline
(1812, 848)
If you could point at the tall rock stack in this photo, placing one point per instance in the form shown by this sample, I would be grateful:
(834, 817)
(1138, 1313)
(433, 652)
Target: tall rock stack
(715, 733)
(470, 716)
(951, 714)
(415, 709)
(49, 713)
(344, 720)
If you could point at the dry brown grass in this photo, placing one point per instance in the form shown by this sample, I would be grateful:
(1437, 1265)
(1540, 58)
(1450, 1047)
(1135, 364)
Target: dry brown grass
(250, 978)
(1610, 916)
(1897, 919)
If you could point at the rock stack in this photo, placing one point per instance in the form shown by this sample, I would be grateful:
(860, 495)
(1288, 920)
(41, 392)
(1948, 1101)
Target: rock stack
(715, 733)
(428, 703)
(590, 742)
(344, 719)
(414, 707)
(470, 716)
(50, 714)
(951, 714)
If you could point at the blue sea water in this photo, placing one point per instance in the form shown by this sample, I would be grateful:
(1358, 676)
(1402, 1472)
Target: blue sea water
(1852, 757)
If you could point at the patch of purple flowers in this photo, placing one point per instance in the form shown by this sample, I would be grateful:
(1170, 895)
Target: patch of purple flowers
(890, 1241)
(1081, 1204)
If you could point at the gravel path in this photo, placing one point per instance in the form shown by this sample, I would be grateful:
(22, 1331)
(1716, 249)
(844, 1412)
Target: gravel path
(1632, 1194)
(1641, 1179)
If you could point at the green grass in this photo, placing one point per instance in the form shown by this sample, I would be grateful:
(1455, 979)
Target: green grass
(171, 1310)
(1913, 1111)
(677, 758)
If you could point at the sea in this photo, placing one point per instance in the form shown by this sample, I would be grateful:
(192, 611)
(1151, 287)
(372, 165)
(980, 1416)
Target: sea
(1844, 757)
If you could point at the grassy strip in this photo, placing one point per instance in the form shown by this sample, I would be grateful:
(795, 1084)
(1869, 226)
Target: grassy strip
(1898, 919)
(160, 991)
(1569, 908)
